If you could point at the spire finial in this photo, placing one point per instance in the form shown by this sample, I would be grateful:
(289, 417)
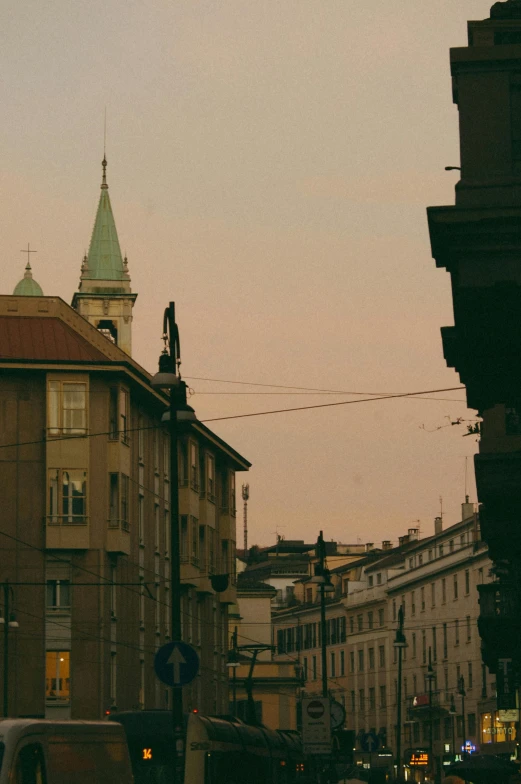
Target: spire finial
(104, 180)
(104, 161)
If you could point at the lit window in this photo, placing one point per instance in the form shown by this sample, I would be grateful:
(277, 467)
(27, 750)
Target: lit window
(57, 676)
(67, 408)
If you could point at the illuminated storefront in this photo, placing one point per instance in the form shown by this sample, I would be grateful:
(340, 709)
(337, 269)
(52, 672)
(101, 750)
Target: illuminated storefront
(495, 731)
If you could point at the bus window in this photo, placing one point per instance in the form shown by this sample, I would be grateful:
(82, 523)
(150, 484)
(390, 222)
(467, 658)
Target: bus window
(29, 765)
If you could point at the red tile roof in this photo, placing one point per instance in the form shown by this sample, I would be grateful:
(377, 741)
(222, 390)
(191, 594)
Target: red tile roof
(43, 338)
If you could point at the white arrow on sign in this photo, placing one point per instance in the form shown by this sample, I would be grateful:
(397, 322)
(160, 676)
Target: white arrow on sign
(176, 659)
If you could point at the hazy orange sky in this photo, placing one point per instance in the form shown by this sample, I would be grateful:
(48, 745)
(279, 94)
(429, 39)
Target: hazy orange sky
(270, 163)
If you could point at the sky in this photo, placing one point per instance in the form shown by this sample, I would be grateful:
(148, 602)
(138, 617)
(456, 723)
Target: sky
(269, 165)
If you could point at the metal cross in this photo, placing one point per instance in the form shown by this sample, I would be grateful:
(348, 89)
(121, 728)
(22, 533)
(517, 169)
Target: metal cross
(28, 251)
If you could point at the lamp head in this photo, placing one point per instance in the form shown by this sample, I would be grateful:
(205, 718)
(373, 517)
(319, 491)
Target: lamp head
(166, 377)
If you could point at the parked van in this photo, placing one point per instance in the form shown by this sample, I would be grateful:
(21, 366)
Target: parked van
(34, 751)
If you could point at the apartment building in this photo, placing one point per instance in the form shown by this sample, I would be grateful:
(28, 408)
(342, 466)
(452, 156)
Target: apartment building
(85, 533)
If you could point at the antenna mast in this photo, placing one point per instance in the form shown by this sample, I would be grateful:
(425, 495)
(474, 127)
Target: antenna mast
(245, 496)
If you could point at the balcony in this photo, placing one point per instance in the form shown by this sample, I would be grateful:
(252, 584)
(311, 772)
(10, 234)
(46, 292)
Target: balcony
(67, 532)
(419, 707)
(118, 537)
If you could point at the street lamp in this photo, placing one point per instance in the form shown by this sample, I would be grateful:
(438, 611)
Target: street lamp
(323, 580)
(169, 378)
(399, 643)
(232, 663)
(452, 711)
(8, 620)
(463, 694)
(430, 678)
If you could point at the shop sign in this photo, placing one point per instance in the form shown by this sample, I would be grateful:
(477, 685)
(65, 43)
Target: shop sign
(468, 747)
(420, 700)
(419, 758)
(506, 716)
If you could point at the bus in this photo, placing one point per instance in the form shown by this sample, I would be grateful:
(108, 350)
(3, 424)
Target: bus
(218, 750)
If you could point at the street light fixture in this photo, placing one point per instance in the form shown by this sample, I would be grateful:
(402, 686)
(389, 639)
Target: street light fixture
(169, 378)
(430, 678)
(399, 643)
(8, 621)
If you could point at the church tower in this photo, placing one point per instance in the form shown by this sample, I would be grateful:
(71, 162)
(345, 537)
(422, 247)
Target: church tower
(104, 297)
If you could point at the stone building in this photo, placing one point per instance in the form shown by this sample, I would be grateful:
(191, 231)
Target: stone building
(85, 532)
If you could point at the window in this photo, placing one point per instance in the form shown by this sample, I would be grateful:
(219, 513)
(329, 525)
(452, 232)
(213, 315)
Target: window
(360, 622)
(342, 663)
(314, 667)
(360, 661)
(119, 502)
(58, 594)
(183, 538)
(383, 697)
(462, 540)
(424, 646)
(420, 559)
(351, 625)
(352, 661)
(451, 546)
(370, 620)
(353, 701)
(413, 603)
(434, 647)
(194, 478)
(441, 550)
(430, 555)
(443, 590)
(372, 699)
(370, 581)
(57, 676)
(455, 586)
(67, 408)
(380, 617)
(422, 595)
(361, 699)
(469, 631)
(371, 658)
(471, 724)
(456, 632)
(411, 563)
(414, 645)
(381, 656)
(469, 675)
(210, 478)
(467, 582)
(379, 578)
(394, 609)
(67, 497)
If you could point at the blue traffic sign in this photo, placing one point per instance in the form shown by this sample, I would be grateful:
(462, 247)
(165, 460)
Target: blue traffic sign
(369, 741)
(176, 663)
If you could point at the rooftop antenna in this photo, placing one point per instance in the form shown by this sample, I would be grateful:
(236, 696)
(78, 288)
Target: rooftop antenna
(466, 494)
(104, 161)
(441, 507)
(245, 496)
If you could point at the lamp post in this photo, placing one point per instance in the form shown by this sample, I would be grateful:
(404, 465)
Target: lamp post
(452, 711)
(9, 622)
(323, 579)
(463, 694)
(399, 643)
(169, 378)
(430, 679)
(233, 663)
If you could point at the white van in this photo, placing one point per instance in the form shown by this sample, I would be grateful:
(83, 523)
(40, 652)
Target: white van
(34, 751)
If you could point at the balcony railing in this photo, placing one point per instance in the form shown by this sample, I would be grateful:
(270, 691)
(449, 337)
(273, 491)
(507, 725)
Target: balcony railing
(122, 525)
(67, 520)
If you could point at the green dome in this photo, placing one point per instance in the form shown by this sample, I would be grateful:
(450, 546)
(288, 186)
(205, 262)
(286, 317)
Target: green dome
(28, 287)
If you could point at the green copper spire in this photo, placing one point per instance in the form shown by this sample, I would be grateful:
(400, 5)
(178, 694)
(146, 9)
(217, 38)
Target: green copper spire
(104, 260)
(28, 287)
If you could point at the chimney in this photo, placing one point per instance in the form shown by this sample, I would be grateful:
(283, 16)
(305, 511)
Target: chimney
(403, 540)
(387, 545)
(369, 546)
(438, 525)
(467, 510)
(414, 534)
